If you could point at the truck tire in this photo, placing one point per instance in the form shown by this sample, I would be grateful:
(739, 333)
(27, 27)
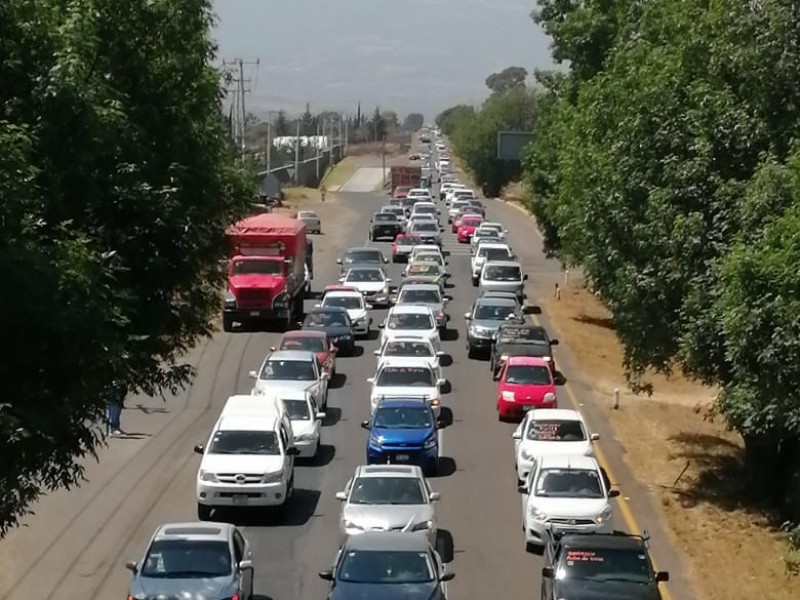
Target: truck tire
(474, 282)
(227, 323)
(204, 512)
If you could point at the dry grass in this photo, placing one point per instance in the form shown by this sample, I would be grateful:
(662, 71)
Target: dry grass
(294, 197)
(340, 173)
(733, 552)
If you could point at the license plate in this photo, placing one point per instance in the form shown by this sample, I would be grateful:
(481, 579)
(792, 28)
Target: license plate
(240, 499)
(255, 313)
(403, 457)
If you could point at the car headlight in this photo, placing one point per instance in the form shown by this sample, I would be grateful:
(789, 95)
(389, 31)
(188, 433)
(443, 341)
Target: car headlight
(508, 396)
(549, 397)
(272, 477)
(430, 442)
(208, 476)
(504, 357)
(375, 441)
(230, 300)
(537, 515)
(547, 358)
(525, 454)
(306, 437)
(424, 526)
(604, 516)
(435, 401)
(352, 525)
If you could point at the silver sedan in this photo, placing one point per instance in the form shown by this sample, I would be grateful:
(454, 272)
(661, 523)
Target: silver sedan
(311, 219)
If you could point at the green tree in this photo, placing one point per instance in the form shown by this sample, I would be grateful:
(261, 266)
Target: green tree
(281, 125)
(113, 211)
(508, 78)
(308, 122)
(413, 122)
(377, 125)
(391, 119)
(448, 120)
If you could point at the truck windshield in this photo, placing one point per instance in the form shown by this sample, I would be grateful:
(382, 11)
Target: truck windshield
(504, 273)
(257, 267)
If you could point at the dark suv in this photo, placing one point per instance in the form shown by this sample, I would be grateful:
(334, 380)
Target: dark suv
(600, 565)
(514, 339)
(384, 225)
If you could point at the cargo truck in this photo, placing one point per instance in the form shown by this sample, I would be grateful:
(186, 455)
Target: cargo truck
(405, 176)
(268, 273)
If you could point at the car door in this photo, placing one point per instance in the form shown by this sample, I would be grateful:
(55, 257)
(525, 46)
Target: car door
(519, 434)
(347, 489)
(528, 487)
(313, 407)
(288, 463)
(552, 554)
(322, 382)
(242, 552)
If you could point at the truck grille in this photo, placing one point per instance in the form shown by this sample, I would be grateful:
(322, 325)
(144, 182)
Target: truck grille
(253, 298)
(572, 522)
(239, 478)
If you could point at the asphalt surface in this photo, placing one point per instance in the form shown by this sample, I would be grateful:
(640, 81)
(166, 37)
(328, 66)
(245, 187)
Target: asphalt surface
(77, 544)
(364, 179)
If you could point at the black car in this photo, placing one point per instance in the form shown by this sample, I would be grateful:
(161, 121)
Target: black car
(361, 257)
(612, 566)
(336, 324)
(514, 339)
(384, 225)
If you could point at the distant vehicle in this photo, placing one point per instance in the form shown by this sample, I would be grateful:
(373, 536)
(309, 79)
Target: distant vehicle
(411, 346)
(485, 318)
(403, 245)
(185, 560)
(401, 191)
(429, 295)
(372, 282)
(406, 377)
(467, 227)
(311, 219)
(355, 305)
(310, 341)
(504, 276)
(384, 225)
(292, 369)
(361, 257)
(488, 251)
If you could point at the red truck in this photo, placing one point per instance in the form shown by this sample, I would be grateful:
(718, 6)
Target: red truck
(405, 176)
(269, 271)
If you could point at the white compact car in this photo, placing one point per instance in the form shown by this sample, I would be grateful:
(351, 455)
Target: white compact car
(488, 251)
(550, 431)
(372, 282)
(498, 227)
(411, 319)
(295, 369)
(355, 305)
(406, 377)
(565, 494)
(305, 417)
(411, 346)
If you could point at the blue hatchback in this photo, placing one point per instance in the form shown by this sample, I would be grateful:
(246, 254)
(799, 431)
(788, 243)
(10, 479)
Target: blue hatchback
(403, 431)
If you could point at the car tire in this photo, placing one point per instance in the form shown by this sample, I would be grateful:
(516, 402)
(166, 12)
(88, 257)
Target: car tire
(471, 352)
(227, 323)
(474, 282)
(204, 512)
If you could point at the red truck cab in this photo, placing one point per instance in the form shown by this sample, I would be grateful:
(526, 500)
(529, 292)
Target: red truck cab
(267, 272)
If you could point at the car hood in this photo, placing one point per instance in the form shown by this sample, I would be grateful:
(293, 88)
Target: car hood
(402, 436)
(206, 588)
(241, 463)
(302, 427)
(532, 448)
(251, 281)
(263, 385)
(487, 324)
(527, 392)
(403, 390)
(356, 313)
(577, 508)
(605, 590)
(369, 591)
(436, 307)
(369, 286)
(332, 330)
(383, 517)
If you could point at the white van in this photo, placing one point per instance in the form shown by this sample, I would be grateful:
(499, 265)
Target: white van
(303, 411)
(248, 460)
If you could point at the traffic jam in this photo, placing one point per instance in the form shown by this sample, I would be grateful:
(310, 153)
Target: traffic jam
(390, 544)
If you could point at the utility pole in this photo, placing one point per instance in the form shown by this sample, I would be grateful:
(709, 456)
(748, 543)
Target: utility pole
(297, 156)
(346, 137)
(318, 143)
(383, 158)
(242, 88)
(270, 139)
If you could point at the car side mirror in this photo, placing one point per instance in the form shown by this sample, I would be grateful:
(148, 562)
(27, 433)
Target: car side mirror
(376, 352)
(338, 261)
(440, 353)
(340, 280)
(613, 493)
(364, 424)
(132, 566)
(341, 496)
(315, 306)
(272, 348)
(448, 576)
(522, 489)
(326, 575)
(595, 436)
(245, 565)
(662, 576)
(548, 572)
(516, 435)
(525, 277)
(253, 375)
(440, 382)
(434, 496)
(368, 306)
(554, 342)
(467, 316)
(326, 376)
(321, 415)
(370, 380)
(381, 325)
(200, 448)
(292, 451)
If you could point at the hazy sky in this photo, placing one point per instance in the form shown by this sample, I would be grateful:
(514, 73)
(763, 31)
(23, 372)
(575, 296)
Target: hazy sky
(404, 55)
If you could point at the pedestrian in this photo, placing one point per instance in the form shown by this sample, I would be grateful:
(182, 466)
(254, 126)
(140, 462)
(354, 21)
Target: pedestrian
(322, 193)
(115, 404)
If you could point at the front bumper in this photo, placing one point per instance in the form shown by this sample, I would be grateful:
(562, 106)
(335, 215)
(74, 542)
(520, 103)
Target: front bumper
(377, 298)
(536, 532)
(478, 342)
(243, 315)
(426, 458)
(516, 410)
(241, 496)
(307, 447)
(361, 327)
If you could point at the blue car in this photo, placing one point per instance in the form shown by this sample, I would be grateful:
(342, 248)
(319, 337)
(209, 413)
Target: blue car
(403, 431)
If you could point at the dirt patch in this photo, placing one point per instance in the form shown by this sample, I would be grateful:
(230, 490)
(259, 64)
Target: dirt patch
(340, 173)
(687, 459)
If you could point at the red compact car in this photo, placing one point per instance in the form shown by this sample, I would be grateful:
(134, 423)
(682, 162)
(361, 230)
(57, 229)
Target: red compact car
(401, 191)
(467, 226)
(525, 383)
(310, 341)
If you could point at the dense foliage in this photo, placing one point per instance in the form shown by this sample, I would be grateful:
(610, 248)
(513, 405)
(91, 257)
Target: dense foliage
(116, 183)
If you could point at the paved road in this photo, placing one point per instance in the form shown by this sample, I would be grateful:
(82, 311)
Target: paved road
(365, 179)
(76, 546)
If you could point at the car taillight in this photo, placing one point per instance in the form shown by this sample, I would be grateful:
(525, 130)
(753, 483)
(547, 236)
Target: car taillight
(394, 248)
(235, 597)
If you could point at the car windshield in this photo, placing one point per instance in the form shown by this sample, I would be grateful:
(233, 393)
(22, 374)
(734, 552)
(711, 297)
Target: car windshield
(494, 312)
(425, 226)
(307, 343)
(410, 321)
(470, 222)
(486, 234)
(494, 254)
(423, 269)
(395, 210)
(385, 566)
(405, 377)
(365, 276)
(408, 240)
(387, 490)
(528, 375)
(556, 431)
(297, 370)
(385, 216)
(425, 210)
(304, 214)
(257, 267)
(363, 256)
(420, 349)
(324, 318)
(187, 559)
(420, 297)
(605, 564)
(346, 302)
(403, 418)
(298, 410)
(434, 258)
(569, 483)
(244, 442)
(502, 273)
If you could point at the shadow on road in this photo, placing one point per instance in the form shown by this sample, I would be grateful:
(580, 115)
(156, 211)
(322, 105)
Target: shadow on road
(446, 417)
(560, 378)
(450, 335)
(445, 546)
(447, 466)
(446, 360)
(324, 456)
(447, 387)
(338, 380)
(332, 416)
(357, 351)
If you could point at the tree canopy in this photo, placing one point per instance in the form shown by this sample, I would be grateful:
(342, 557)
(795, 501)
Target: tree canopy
(116, 183)
(508, 78)
(413, 122)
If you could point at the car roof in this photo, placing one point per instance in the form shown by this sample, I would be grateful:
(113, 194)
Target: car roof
(255, 422)
(365, 268)
(194, 530)
(389, 470)
(504, 263)
(343, 294)
(555, 414)
(386, 541)
(303, 333)
(303, 355)
(326, 309)
(495, 301)
(614, 541)
(567, 461)
(306, 213)
(404, 403)
(527, 361)
(410, 309)
(424, 285)
(406, 361)
(494, 245)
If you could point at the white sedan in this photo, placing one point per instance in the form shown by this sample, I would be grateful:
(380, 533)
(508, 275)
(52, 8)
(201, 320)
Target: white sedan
(550, 431)
(372, 282)
(411, 346)
(355, 305)
(411, 319)
(405, 377)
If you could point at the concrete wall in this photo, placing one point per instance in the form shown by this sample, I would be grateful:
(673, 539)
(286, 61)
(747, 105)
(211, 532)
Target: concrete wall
(309, 175)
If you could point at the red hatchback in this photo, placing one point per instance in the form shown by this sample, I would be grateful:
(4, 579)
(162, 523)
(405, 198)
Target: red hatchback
(310, 341)
(401, 191)
(467, 226)
(526, 382)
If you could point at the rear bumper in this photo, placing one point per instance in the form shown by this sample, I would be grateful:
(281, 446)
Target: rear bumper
(516, 410)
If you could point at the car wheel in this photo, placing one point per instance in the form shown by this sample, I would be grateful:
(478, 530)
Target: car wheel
(471, 352)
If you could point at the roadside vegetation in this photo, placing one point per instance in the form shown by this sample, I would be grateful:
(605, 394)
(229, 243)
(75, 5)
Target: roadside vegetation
(665, 165)
(113, 209)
